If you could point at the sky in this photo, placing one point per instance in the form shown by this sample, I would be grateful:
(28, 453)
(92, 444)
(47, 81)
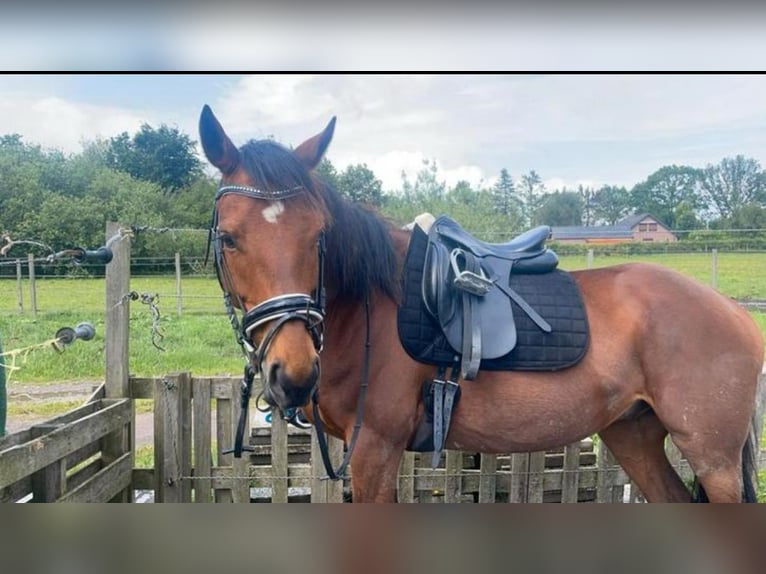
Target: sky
(571, 129)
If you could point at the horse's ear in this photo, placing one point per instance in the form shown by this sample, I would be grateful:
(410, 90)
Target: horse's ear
(218, 148)
(312, 150)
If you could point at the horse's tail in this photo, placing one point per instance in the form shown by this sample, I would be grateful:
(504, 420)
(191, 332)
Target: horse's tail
(749, 467)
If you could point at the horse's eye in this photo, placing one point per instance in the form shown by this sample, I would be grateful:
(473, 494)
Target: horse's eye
(227, 241)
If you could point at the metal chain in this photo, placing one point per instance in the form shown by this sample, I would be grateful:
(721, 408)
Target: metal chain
(151, 301)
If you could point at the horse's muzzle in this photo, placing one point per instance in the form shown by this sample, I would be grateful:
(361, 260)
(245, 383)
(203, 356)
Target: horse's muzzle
(283, 391)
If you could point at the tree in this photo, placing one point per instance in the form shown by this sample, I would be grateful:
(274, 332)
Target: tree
(359, 184)
(327, 172)
(462, 194)
(588, 196)
(748, 216)
(531, 190)
(732, 184)
(610, 204)
(560, 208)
(163, 156)
(663, 192)
(427, 184)
(504, 196)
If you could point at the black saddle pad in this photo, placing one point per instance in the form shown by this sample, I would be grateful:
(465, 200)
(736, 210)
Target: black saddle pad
(554, 295)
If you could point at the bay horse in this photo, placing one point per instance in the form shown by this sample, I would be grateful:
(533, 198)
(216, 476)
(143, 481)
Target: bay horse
(314, 272)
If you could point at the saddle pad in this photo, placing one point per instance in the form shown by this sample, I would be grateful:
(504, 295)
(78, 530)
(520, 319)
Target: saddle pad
(554, 295)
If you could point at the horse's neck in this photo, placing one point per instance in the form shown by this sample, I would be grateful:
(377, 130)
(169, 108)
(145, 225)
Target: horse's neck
(346, 324)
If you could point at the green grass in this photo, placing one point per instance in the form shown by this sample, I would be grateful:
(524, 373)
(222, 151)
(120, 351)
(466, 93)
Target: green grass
(41, 408)
(740, 275)
(200, 340)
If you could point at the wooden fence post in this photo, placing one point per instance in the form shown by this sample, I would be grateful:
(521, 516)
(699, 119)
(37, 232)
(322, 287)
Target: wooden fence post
(453, 471)
(570, 473)
(406, 490)
(49, 483)
(517, 491)
(240, 489)
(488, 478)
(19, 290)
(224, 409)
(32, 286)
(172, 438)
(535, 488)
(589, 259)
(202, 437)
(178, 284)
(714, 268)
(278, 458)
(606, 488)
(760, 411)
(116, 333)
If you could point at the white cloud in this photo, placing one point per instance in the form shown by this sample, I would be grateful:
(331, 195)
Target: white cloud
(56, 123)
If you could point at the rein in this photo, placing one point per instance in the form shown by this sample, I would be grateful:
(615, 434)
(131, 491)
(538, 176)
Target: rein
(279, 310)
(339, 473)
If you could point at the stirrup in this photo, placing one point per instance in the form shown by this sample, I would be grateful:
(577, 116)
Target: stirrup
(468, 280)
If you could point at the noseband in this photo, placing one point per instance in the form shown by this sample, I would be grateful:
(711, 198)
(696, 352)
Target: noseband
(277, 310)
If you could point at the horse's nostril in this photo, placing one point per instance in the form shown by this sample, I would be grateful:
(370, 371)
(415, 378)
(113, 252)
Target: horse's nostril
(274, 370)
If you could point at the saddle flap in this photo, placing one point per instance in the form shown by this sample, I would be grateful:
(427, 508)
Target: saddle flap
(437, 298)
(492, 315)
(491, 312)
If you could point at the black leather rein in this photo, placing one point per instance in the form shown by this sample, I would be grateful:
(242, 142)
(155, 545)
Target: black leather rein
(277, 311)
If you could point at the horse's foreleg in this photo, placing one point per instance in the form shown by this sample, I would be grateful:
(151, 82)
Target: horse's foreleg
(374, 468)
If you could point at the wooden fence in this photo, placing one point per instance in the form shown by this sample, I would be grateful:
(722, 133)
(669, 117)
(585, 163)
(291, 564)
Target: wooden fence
(71, 458)
(195, 418)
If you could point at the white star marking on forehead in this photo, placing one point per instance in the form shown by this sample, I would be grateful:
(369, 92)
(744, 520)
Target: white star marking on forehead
(273, 211)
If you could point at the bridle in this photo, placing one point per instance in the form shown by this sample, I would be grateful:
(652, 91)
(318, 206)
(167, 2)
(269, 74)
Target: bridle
(279, 310)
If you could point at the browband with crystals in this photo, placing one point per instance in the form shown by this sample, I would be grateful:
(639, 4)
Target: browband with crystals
(259, 193)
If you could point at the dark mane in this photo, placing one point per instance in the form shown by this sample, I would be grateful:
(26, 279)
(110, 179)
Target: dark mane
(360, 253)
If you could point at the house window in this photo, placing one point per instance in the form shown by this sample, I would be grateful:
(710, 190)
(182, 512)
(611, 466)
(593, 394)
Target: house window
(647, 239)
(652, 227)
(642, 227)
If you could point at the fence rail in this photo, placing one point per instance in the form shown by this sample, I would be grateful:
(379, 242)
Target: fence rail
(64, 459)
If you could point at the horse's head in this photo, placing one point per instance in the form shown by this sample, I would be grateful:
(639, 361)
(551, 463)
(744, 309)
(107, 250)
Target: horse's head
(268, 240)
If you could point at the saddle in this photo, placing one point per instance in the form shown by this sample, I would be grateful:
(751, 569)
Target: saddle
(466, 288)
(469, 305)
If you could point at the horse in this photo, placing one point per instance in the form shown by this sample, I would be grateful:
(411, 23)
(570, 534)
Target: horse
(316, 275)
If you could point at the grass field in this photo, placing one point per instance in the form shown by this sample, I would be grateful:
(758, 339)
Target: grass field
(201, 340)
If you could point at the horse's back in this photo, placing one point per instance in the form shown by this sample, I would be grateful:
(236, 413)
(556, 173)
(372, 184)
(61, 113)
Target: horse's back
(671, 313)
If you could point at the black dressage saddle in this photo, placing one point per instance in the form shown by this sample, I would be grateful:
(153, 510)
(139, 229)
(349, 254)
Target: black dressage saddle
(466, 288)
